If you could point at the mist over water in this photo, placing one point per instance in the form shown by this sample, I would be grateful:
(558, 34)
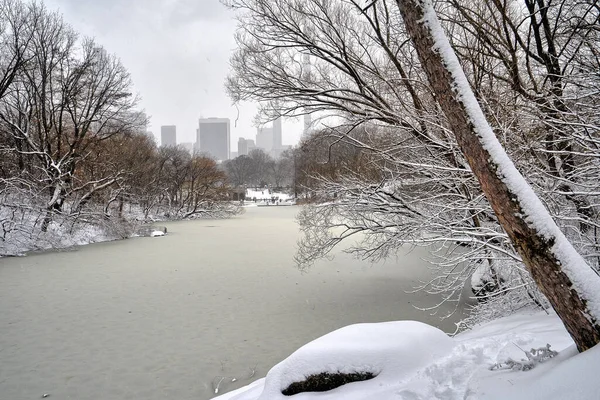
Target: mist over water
(167, 317)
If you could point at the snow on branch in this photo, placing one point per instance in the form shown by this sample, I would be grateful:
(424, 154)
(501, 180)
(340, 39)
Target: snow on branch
(534, 357)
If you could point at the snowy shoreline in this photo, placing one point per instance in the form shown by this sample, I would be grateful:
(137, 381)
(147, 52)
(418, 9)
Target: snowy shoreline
(412, 360)
(56, 240)
(66, 236)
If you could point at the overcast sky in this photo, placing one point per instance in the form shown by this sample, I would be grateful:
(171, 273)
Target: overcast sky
(177, 52)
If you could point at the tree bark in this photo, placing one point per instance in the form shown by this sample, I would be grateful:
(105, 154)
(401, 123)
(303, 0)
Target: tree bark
(535, 249)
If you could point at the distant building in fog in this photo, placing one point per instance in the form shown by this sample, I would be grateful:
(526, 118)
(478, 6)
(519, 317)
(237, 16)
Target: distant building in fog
(276, 153)
(264, 138)
(212, 137)
(242, 147)
(251, 145)
(269, 139)
(168, 135)
(233, 154)
(277, 133)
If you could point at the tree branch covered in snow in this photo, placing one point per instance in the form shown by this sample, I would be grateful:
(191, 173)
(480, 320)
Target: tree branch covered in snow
(534, 357)
(406, 181)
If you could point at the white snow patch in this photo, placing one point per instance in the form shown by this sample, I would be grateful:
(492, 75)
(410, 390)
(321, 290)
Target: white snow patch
(585, 280)
(574, 377)
(419, 362)
(267, 195)
(390, 350)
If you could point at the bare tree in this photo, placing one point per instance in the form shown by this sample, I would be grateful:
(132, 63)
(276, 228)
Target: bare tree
(561, 273)
(15, 37)
(261, 167)
(364, 69)
(73, 148)
(283, 170)
(532, 62)
(69, 94)
(240, 170)
(360, 67)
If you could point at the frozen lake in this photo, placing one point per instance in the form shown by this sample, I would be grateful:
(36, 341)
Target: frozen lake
(168, 317)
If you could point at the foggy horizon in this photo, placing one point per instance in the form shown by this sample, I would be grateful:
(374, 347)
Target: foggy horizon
(178, 56)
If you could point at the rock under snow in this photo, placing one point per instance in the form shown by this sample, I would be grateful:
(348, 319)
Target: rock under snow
(391, 350)
(151, 231)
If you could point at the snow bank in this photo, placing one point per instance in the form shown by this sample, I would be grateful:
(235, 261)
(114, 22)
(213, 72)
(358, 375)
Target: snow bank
(27, 236)
(391, 350)
(418, 362)
(575, 378)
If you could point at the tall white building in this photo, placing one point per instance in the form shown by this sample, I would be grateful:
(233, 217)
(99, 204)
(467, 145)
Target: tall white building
(168, 135)
(269, 139)
(213, 137)
(242, 147)
(264, 138)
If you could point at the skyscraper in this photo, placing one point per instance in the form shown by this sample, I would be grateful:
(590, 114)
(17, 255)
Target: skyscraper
(168, 135)
(212, 137)
(264, 138)
(277, 134)
(242, 147)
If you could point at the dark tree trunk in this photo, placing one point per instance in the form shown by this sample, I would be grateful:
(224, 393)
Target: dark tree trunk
(534, 249)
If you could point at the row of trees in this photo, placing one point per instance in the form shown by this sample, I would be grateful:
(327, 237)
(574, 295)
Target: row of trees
(416, 175)
(298, 169)
(259, 169)
(72, 142)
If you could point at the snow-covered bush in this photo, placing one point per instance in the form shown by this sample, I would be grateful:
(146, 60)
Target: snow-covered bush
(534, 357)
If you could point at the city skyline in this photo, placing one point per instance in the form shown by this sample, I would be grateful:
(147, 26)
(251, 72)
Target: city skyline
(177, 69)
(267, 138)
(274, 136)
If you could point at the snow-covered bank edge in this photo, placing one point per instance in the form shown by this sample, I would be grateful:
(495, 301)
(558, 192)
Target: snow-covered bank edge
(418, 362)
(23, 235)
(57, 238)
(65, 234)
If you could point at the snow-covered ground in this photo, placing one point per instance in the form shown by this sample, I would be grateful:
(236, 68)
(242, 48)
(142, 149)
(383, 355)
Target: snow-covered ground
(414, 361)
(264, 196)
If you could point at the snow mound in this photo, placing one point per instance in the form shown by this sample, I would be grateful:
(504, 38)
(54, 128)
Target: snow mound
(391, 350)
(418, 362)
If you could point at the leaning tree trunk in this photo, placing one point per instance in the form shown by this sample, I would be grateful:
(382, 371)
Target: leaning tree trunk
(562, 275)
